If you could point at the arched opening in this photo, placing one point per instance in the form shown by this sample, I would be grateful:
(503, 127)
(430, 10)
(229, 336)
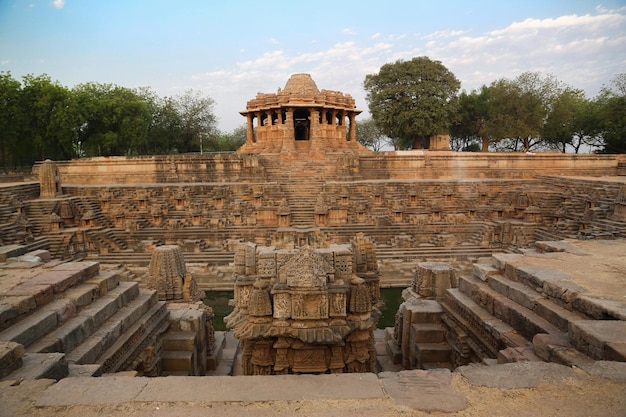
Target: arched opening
(301, 124)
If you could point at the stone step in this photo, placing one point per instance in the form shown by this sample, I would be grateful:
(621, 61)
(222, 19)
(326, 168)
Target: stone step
(107, 334)
(428, 332)
(152, 324)
(488, 332)
(523, 320)
(218, 350)
(31, 328)
(75, 330)
(41, 366)
(432, 352)
(532, 300)
(177, 362)
(102, 309)
(227, 363)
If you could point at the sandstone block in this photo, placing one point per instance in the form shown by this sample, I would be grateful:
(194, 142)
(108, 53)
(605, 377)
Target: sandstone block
(31, 328)
(60, 279)
(42, 293)
(11, 354)
(22, 304)
(105, 280)
(484, 271)
(178, 361)
(592, 336)
(87, 269)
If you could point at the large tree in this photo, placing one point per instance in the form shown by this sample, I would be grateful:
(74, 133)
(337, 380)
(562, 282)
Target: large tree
(412, 100)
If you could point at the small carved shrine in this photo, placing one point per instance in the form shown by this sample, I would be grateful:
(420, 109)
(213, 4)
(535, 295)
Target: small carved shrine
(306, 310)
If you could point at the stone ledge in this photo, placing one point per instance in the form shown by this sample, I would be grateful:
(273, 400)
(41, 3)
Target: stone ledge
(75, 391)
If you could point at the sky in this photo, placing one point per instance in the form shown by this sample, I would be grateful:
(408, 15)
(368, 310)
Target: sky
(232, 49)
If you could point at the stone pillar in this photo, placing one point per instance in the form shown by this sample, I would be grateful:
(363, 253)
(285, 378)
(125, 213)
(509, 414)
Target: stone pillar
(250, 129)
(315, 132)
(352, 135)
(49, 180)
(290, 132)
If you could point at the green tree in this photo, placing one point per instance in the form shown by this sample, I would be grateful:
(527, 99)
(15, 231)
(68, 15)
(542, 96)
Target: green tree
(113, 120)
(198, 121)
(572, 122)
(229, 141)
(10, 113)
(612, 115)
(411, 100)
(370, 135)
(520, 108)
(473, 120)
(43, 104)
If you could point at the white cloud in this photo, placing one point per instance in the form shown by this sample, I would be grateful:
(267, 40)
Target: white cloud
(59, 4)
(348, 32)
(582, 51)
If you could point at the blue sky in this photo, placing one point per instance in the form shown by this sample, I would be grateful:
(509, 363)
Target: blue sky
(232, 49)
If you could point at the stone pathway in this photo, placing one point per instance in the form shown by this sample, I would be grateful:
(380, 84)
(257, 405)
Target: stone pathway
(504, 390)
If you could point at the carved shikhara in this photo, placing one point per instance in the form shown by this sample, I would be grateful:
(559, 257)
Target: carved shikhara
(306, 310)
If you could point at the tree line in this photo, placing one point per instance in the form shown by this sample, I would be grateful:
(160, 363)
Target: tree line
(41, 119)
(412, 100)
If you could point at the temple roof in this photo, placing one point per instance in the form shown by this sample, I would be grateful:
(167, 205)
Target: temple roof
(301, 84)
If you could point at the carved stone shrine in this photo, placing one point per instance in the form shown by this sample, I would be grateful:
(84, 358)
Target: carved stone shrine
(306, 310)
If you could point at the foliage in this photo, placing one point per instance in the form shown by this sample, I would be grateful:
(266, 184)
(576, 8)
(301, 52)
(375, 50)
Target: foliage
(612, 116)
(370, 135)
(473, 116)
(410, 100)
(40, 119)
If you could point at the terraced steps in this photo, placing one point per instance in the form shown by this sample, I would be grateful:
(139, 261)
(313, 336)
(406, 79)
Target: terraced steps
(81, 318)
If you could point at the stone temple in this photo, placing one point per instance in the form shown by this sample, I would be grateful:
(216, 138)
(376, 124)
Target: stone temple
(504, 257)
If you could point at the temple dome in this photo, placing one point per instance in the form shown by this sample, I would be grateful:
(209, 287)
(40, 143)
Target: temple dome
(301, 84)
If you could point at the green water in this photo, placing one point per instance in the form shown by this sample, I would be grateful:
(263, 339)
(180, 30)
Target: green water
(392, 297)
(218, 300)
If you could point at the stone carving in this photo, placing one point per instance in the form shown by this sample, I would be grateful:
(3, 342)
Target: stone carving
(308, 318)
(167, 275)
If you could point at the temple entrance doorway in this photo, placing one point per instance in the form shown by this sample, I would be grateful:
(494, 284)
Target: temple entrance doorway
(301, 124)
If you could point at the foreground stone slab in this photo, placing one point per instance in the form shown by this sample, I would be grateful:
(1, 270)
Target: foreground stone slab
(116, 390)
(517, 375)
(92, 391)
(263, 388)
(423, 390)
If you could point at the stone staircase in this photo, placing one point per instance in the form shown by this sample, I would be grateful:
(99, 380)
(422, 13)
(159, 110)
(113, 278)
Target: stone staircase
(72, 318)
(511, 313)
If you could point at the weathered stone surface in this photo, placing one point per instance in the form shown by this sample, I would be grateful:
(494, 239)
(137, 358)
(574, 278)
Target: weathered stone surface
(615, 371)
(42, 293)
(42, 366)
(591, 336)
(11, 354)
(423, 390)
(11, 251)
(60, 280)
(92, 391)
(600, 308)
(516, 375)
